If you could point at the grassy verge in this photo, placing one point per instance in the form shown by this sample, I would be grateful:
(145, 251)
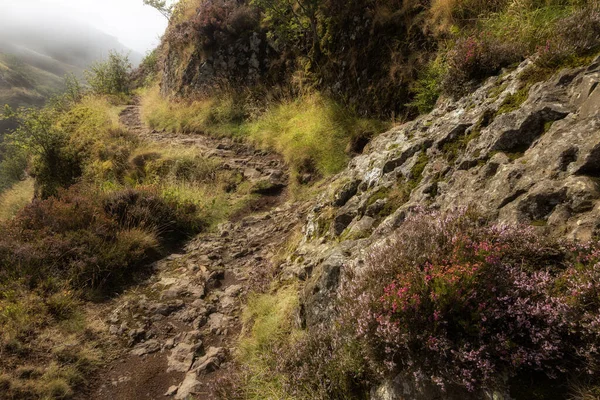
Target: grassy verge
(216, 116)
(315, 135)
(478, 39)
(268, 327)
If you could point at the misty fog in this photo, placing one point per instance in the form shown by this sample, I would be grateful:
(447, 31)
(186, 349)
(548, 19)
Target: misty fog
(136, 26)
(56, 36)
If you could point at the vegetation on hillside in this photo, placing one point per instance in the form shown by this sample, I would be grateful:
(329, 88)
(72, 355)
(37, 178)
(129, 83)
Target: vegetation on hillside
(453, 300)
(106, 203)
(324, 66)
(315, 135)
(87, 207)
(383, 57)
(423, 296)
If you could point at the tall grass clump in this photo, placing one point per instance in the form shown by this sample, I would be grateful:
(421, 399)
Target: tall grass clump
(215, 116)
(314, 134)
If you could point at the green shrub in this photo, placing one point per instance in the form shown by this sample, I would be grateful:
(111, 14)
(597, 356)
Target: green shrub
(428, 87)
(146, 73)
(12, 166)
(55, 163)
(110, 77)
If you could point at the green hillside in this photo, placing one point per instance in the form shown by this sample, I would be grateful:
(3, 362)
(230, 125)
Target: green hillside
(23, 84)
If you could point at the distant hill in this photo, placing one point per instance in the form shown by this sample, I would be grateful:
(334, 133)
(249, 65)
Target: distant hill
(37, 51)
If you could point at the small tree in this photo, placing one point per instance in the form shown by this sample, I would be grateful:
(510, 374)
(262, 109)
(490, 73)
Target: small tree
(55, 164)
(73, 89)
(161, 6)
(110, 76)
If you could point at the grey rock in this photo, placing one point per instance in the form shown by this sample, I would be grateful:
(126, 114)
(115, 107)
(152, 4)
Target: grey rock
(211, 361)
(217, 322)
(183, 355)
(346, 192)
(148, 347)
(362, 228)
(189, 386)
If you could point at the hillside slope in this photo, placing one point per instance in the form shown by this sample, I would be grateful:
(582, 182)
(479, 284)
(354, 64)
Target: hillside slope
(31, 82)
(238, 228)
(533, 163)
(35, 56)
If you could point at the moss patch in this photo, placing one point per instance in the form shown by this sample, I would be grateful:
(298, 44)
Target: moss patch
(514, 101)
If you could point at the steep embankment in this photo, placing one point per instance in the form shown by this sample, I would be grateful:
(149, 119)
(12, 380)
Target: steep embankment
(179, 326)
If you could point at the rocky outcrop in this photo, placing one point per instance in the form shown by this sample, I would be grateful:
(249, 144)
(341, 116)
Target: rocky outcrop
(537, 164)
(223, 43)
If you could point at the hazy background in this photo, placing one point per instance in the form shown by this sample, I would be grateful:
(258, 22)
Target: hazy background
(42, 40)
(136, 26)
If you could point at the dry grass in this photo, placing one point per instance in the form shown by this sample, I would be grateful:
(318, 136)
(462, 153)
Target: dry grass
(215, 116)
(312, 133)
(15, 198)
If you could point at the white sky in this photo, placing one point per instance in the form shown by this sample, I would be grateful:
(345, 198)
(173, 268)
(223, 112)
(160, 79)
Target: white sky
(135, 25)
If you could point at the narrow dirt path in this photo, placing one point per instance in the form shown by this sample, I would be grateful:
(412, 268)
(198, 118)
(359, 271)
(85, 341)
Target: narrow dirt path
(179, 326)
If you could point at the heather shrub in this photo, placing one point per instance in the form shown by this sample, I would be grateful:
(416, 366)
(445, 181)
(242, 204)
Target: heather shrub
(475, 58)
(219, 20)
(578, 36)
(147, 209)
(89, 240)
(474, 304)
(457, 302)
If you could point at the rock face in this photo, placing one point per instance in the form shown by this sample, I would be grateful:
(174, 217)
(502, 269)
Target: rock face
(195, 59)
(538, 164)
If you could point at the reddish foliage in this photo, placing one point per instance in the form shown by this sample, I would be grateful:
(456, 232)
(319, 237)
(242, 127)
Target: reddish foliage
(87, 239)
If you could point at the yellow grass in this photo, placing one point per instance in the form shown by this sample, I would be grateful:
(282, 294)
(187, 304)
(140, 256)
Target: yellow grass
(15, 198)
